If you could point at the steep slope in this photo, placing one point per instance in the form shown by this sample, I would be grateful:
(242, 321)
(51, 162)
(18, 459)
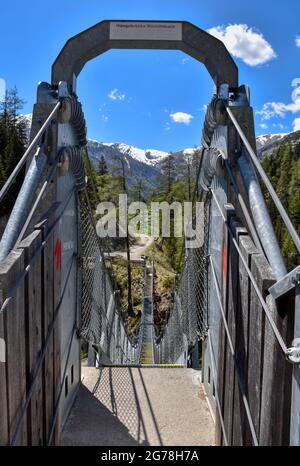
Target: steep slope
(282, 165)
(140, 164)
(266, 143)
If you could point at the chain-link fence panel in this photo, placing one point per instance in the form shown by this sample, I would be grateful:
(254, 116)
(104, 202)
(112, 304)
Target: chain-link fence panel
(187, 322)
(101, 322)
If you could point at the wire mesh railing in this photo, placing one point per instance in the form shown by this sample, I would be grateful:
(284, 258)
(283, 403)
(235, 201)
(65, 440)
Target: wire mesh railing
(187, 322)
(102, 325)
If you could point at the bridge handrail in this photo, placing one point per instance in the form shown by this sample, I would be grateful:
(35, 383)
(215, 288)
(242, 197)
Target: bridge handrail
(31, 146)
(245, 401)
(38, 252)
(290, 227)
(287, 351)
(39, 364)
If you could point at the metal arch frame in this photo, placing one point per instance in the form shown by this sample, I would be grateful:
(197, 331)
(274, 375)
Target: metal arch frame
(195, 42)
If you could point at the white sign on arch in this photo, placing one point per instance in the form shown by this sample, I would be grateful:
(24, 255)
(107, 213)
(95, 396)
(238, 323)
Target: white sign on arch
(135, 30)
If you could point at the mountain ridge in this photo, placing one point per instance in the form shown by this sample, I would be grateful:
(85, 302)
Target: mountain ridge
(145, 163)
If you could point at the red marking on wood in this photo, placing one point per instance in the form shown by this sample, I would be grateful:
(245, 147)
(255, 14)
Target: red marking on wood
(57, 253)
(224, 262)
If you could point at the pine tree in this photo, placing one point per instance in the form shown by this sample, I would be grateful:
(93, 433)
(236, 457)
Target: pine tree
(102, 167)
(13, 143)
(283, 169)
(168, 176)
(121, 172)
(137, 191)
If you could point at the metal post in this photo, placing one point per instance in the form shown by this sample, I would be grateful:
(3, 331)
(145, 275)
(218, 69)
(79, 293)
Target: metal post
(295, 405)
(261, 217)
(23, 203)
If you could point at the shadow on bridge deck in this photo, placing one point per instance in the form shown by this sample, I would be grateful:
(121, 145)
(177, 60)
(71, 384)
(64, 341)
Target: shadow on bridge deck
(139, 406)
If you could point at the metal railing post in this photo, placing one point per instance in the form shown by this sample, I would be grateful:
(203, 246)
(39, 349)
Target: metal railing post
(295, 404)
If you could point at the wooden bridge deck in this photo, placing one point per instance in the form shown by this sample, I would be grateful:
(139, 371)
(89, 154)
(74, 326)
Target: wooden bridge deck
(140, 406)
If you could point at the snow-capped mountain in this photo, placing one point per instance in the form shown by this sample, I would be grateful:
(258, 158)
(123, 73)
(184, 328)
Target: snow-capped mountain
(141, 164)
(27, 119)
(145, 163)
(150, 157)
(268, 141)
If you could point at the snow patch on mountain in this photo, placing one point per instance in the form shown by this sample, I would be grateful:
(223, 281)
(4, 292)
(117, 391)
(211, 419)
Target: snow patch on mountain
(263, 140)
(148, 156)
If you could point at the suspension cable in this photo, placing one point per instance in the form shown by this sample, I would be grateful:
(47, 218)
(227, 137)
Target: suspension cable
(252, 279)
(290, 227)
(38, 199)
(243, 207)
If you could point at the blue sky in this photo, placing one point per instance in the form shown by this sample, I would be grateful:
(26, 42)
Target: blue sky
(155, 99)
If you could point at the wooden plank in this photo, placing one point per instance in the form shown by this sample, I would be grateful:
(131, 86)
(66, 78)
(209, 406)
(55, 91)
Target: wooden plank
(232, 316)
(264, 278)
(223, 343)
(277, 375)
(14, 330)
(241, 430)
(57, 284)
(3, 386)
(47, 228)
(33, 328)
(47, 318)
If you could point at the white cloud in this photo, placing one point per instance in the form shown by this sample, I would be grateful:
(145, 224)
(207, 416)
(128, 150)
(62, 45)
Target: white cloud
(297, 41)
(279, 109)
(104, 118)
(115, 94)
(181, 117)
(263, 126)
(243, 42)
(279, 125)
(296, 124)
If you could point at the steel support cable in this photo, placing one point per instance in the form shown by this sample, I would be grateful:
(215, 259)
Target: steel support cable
(241, 385)
(38, 199)
(31, 146)
(252, 279)
(290, 227)
(214, 376)
(243, 207)
(42, 356)
(38, 251)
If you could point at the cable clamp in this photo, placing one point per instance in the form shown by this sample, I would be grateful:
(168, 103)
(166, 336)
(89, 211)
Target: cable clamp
(293, 353)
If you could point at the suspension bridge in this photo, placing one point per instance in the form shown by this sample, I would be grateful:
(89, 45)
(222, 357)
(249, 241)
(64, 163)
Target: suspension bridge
(234, 307)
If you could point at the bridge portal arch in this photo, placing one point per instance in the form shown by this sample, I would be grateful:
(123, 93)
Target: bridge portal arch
(160, 35)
